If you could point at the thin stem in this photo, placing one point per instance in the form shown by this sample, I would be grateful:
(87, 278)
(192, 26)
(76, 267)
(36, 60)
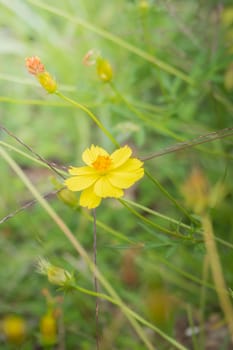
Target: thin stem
(191, 143)
(151, 223)
(157, 214)
(167, 194)
(134, 314)
(217, 273)
(162, 129)
(32, 151)
(96, 281)
(91, 115)
(58, 167)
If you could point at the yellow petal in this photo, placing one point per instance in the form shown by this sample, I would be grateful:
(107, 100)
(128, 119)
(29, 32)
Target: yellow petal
(120, 156)
(131, 164)
(84, 170)
(103, 188)
(79, 183)
(89, 199)
(91, 154)
(125, 179)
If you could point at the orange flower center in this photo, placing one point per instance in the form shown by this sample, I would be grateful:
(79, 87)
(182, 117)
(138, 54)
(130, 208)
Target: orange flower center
(102, 163)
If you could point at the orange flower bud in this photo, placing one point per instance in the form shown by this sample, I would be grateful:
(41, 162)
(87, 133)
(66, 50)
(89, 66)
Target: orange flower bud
(34, 65)
(104, 69)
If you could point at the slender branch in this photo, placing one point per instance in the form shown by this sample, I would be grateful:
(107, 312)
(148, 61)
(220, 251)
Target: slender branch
(27, 205)
(194, 142)
(32, 151)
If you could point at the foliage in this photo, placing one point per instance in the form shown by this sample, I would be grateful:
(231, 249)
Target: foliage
(169, 80)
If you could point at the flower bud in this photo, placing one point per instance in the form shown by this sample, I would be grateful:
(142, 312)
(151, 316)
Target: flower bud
(64, 195)
(143, 5)
(56, 275)
(68, 197)
(91, 57)
(104, 69)
(34, 65)
(196, 191)
(14, 328)
(47, 82)
(48, 329)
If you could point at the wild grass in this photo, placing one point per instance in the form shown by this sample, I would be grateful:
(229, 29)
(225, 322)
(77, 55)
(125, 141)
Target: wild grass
(164, 251)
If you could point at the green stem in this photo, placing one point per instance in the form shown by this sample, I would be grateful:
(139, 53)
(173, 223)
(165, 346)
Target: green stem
(151, 223)
(164, 217)
(156, 126)
(132, 313)
(167, 194)
(90, 114)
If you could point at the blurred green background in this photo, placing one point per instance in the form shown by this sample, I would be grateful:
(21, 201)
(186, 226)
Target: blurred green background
(148, 106)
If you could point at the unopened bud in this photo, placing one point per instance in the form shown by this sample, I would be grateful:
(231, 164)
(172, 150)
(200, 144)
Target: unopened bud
(104, 69)
(34, 65)
(196, 191)
(37, 68)
(68, 197)
(48, 329)
(56, 275)
(47, 82)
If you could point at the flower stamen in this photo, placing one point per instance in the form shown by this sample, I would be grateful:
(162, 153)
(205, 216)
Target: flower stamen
(102, 163)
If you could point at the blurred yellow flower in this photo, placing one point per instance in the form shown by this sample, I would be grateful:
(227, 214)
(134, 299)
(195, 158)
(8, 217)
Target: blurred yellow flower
(14, 328)
(105, 175)
(196, 191)
(48, 329)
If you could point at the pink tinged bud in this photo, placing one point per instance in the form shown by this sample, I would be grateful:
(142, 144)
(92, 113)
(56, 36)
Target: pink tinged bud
(91, 57)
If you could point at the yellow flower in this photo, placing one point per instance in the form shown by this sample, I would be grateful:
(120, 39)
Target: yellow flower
(14, 328)
(196, 191)
(105, 175)
(48, 329)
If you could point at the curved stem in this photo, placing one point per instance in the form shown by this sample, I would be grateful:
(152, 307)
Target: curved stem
(134, 314)
(91, 115)
(151, 223)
